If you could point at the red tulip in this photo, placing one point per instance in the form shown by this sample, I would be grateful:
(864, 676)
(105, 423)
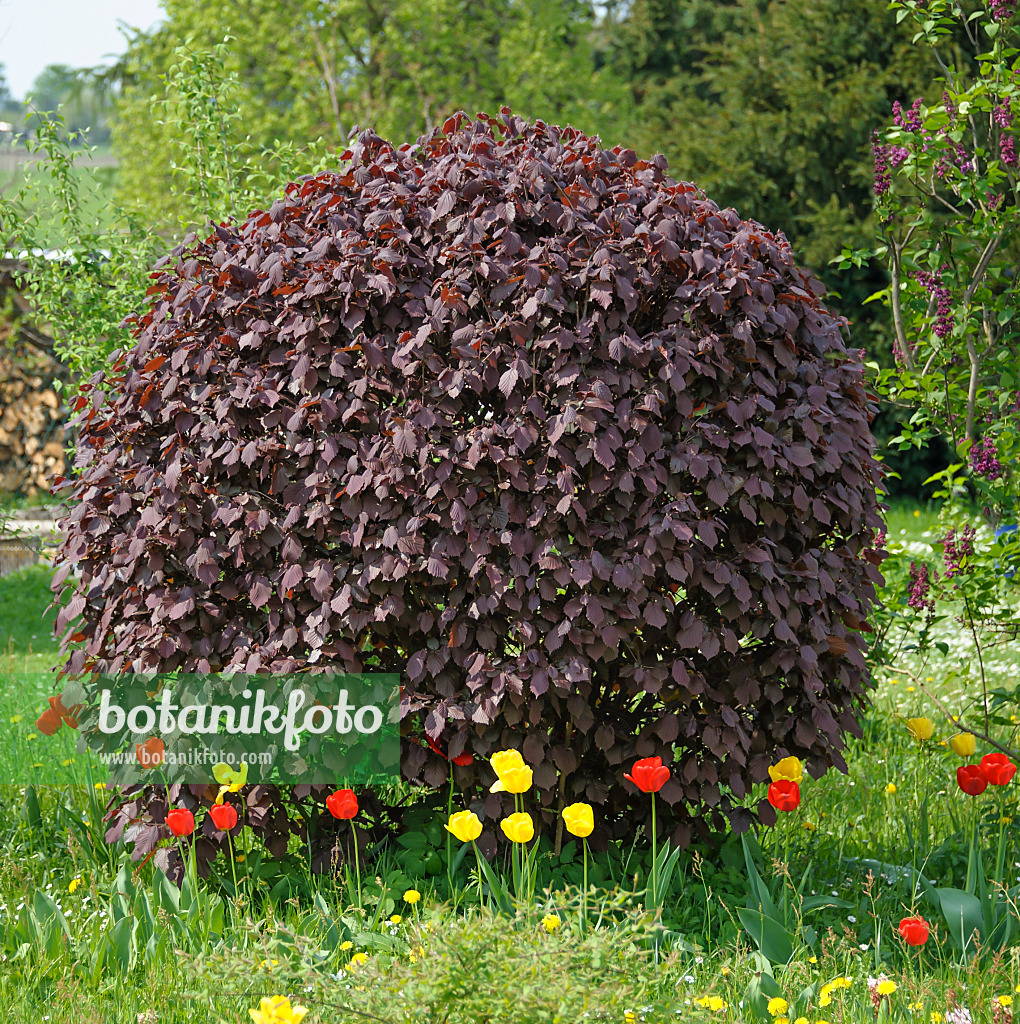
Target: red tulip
(784, 795)
(180, 821)
(997, 769)
(342, 804)
(914, 931)
(971, 779)
(69, 716)
(649, 774)
(224, 816)
(48, 722)
(461, 759)
(150, 753)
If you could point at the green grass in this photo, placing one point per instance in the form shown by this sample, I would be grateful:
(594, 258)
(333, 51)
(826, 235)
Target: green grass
(852, 840)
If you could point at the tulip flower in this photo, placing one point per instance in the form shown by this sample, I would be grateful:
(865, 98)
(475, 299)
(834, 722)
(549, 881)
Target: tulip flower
(342, 804)
(649, 774)
(229, 780)
(518, 828)
(463, 760)
(504, 759)
(963, 744)
(971, 779)
(48, 722)
(180, 821)
(151, 753)
(516, 779)
(784, 795)
(789, 768)
(921, 728)
(68, 716)
(914, 931)
(465, 826)
(224, 816)
(579, 819)
(277, 1010)
(998, 769)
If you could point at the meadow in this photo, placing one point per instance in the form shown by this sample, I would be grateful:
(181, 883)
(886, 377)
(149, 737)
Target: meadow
(87, 935)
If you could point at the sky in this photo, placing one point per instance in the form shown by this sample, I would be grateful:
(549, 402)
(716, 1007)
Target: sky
(81, 33)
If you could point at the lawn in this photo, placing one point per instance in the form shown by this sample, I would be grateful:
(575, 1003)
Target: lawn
(89, 936)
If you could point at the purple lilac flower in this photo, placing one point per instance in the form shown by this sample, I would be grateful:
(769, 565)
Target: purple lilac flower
(984, 460)
(1003, 114)
(1007, 150)
(911, 120)
(956, 548)
(1001, 10)
(963, 161)
(944, 301)
(949, 105)
(993, 199)
(920, 584)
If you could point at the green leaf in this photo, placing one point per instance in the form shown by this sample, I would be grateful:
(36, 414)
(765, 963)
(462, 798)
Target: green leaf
(963, 915)
(774, 941)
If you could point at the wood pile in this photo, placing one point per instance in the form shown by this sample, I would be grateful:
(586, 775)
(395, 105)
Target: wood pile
(32, 416)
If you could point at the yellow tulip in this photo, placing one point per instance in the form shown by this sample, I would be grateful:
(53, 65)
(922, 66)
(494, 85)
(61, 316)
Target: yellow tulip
(921, 728)
(963, 744)
(465, 826)
(579, 820)
(789, 768)
(513, 780)
(518, 828)
(505, 759)
(277, 1010)
(229, 780)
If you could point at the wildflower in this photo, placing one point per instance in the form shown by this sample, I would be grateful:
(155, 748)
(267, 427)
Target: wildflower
(346, 945)
(269, 964)
(550, 923)
(777, 1006)
(921, 728)
(963, 744)
(801, 1020)
(843, 982)
(518, 828)
(788, 768)
(713, 1003)
(649, 774)
(73, 884)
(412, 896)
(356, 961)
(224, 816)
(504, 760)
(915, 1007)
(885, 987)
(784, 795)
(1004, 1000)
(180, 821)
(808, 826)
(579, 819)
(914, 930)
(998, 769)
(342, 804)
(517, 779)
(958, 1015)
(971, 779)
(465, 825)
(916, 513)
(890, 788)
(395, 919)
(812, 959)
(277, 1010)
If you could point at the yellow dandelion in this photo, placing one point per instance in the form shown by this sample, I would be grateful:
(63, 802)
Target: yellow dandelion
(886, 988)
(550, 923)
(412, 896)
(395, 919)
(777, 1006)
(890, 788)
(73, 884)
(1004, 1000)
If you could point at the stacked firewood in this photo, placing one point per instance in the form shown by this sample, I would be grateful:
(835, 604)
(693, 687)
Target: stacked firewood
(31, 423)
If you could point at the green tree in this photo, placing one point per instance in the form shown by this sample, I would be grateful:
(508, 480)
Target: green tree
(313, 69)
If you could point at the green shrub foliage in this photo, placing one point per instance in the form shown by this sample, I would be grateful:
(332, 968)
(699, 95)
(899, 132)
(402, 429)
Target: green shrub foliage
(580, 454)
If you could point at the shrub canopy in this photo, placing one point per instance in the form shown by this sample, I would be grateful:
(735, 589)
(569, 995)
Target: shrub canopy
(580, 454)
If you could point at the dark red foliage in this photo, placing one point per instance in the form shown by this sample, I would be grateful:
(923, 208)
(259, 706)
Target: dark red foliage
(581, 455)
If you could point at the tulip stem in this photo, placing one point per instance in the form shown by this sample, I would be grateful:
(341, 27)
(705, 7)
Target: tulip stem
(655, 859)
(584, 893)
(357, 862)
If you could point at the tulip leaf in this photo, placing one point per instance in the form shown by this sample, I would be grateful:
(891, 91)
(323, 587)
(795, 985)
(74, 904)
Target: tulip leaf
(774, 941)
(963, 914)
